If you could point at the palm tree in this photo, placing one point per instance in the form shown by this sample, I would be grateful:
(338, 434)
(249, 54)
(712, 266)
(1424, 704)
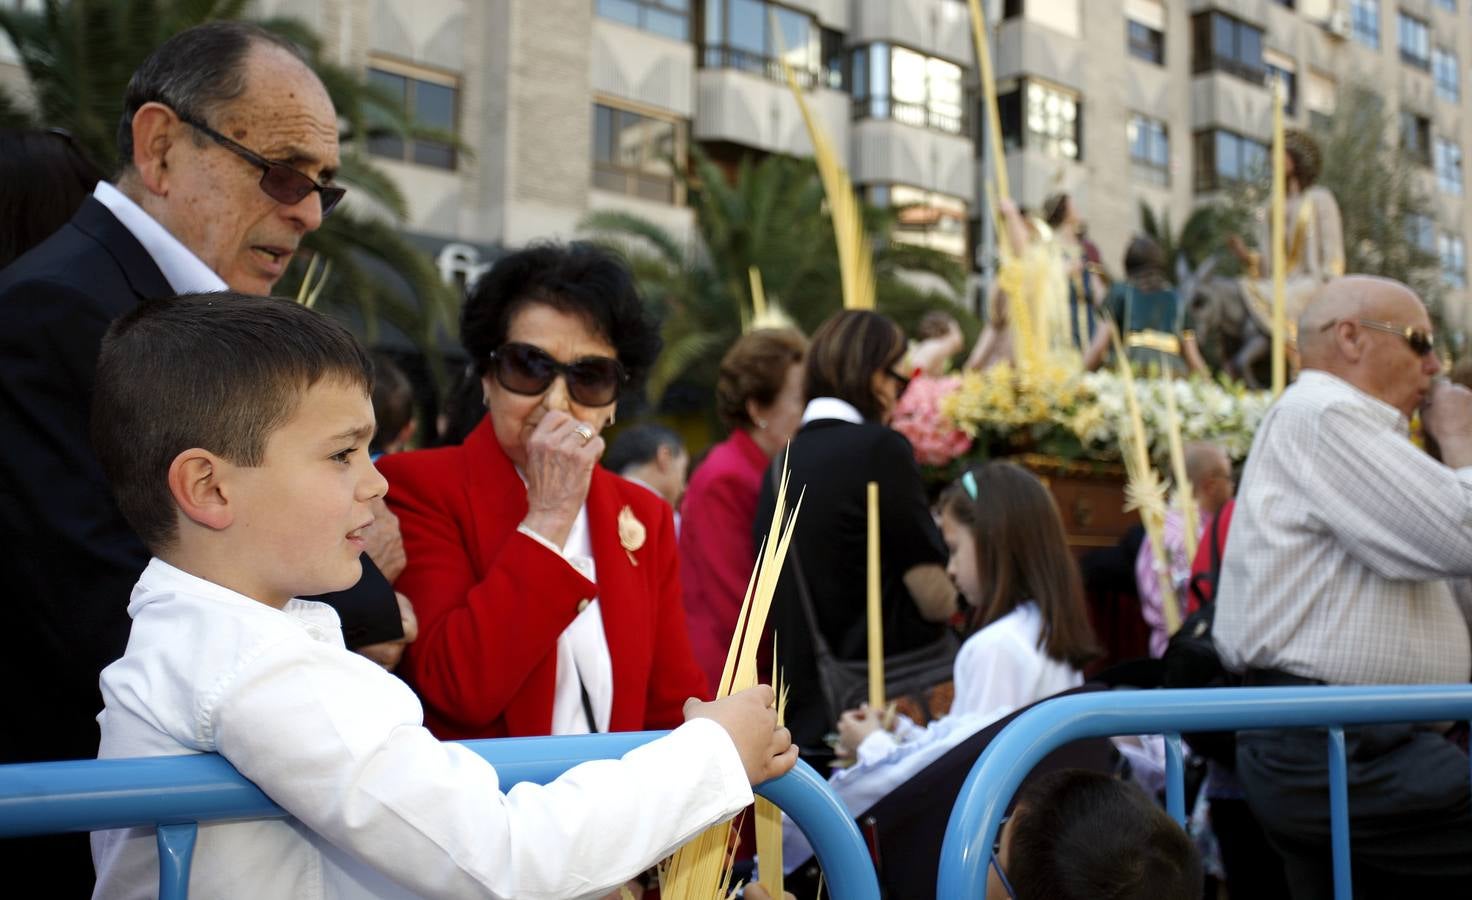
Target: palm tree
(768, 215)
(1202, 236)
(79, 57)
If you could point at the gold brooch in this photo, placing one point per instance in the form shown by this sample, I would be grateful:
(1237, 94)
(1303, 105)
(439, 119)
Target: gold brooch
(631, 532)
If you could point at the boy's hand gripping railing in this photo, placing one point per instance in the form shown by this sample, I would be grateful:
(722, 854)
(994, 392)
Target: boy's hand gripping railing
(1051, 724)
(178, 792)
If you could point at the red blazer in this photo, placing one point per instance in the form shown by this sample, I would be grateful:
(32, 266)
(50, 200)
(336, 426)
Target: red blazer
(716, 548)
(492, 602)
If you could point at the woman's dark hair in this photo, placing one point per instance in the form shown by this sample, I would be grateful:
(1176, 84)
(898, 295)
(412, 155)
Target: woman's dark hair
(846, 352)
(1145, 264)
(579, 279)
(44, 177)
(1021, 555)
(754, 369)
(1081, 835)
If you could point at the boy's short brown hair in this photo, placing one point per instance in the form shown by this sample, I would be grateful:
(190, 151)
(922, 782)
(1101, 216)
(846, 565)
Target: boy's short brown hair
(218, 371)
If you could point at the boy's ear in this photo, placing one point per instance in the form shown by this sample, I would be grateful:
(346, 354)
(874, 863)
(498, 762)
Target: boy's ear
(664, 457)
(196, 483)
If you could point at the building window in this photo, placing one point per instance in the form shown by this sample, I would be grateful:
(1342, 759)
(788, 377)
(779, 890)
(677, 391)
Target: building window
(1415, 137)
(1281, 68)
(897, 83)
(924, 218)
(1415, 42)
(1146, 43)
(1448, 77)
(636, 155)
(1453, 253)
(1149, 148)
(427, 104)
(670, 18)
(1364, 22)
(1225, 158)
(738, 35)
(1040, 115)
(1222, 43)
(1448, 159)
(1448, 5)
(1421, 232)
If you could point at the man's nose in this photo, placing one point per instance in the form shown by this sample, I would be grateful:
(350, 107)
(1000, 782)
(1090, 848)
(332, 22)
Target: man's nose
(307, 212)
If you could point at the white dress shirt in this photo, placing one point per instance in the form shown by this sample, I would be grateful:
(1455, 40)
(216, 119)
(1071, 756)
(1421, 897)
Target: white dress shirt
(998, 670)
(184, 271)
(1340, 548)
(379, 807)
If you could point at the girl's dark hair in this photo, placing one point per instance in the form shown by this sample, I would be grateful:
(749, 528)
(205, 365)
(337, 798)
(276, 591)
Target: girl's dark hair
(846, 351)
(580, 279)
(1021, 555)
(1077, 834)
(44, 177)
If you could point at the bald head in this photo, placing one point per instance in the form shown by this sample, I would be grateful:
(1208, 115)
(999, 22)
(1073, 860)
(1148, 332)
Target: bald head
(1350, 299)
(1356, 330)
(1209, 470)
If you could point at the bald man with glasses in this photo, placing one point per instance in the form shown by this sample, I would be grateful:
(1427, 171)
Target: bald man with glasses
(1348, 563)
(228, 149)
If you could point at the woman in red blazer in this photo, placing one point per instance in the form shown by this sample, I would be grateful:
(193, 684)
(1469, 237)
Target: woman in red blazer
(547, 589)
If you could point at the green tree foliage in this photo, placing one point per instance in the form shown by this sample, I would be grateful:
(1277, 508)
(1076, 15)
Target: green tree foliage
(768, 214)
(1202, 236)
(1381, 192)
(79, 55)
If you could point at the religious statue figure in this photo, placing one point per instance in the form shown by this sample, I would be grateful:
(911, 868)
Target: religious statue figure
(1314, 254)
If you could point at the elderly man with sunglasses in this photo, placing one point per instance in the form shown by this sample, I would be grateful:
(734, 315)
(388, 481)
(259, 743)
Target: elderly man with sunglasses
(228, 147)
(1347, 563)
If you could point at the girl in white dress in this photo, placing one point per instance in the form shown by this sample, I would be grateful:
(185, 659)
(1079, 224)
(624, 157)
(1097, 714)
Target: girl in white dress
(1030, 633)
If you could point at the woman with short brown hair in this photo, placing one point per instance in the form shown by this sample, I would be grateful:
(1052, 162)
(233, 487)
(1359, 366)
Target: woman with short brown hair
(759, 397)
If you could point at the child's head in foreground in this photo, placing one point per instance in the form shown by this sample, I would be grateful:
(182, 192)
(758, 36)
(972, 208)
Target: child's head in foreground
(234, 431)
(1076, 834)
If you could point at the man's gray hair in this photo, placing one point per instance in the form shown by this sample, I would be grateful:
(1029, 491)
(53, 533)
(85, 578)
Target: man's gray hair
(193, 73)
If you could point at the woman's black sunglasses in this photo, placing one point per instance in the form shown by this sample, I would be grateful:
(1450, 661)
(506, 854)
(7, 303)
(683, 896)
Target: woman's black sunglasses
(528, 370)
(279, 181)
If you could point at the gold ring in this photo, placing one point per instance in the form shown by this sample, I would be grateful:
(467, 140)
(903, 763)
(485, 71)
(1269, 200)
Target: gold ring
(584, 432)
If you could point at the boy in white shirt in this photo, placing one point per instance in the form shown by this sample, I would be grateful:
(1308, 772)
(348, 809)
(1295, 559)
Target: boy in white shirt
(234, 431)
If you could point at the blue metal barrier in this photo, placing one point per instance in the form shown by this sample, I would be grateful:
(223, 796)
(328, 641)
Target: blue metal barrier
(1026, 740)
(177, 792)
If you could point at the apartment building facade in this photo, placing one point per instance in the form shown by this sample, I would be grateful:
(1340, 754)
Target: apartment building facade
(571, 106)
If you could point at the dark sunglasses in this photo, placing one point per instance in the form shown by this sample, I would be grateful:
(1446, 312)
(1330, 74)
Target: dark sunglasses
(1421, 342)
(528, 370)
(279, 181)
(901, 380)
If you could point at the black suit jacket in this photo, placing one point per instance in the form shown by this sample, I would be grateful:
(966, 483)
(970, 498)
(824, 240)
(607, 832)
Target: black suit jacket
(832, 461)
(69, 557)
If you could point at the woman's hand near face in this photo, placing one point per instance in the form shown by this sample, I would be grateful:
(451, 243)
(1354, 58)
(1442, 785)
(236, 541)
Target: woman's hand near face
(559, 468)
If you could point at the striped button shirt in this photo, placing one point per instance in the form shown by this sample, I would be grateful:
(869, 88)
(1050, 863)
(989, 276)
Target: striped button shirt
(1349, 549)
